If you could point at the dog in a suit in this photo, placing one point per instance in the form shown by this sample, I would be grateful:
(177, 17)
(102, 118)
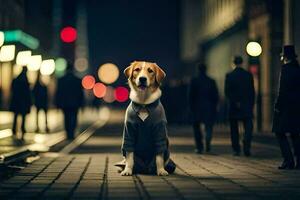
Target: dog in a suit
(145, 141)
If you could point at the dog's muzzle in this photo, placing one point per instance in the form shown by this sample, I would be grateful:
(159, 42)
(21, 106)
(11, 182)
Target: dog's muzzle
(142, 83)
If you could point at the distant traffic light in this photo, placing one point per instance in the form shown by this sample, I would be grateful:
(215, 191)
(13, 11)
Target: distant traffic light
(68, 34)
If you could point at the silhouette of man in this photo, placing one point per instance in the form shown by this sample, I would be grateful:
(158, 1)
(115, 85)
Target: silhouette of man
(287, 109)
(40, 94)
(203, 100)
(20, 102)
(69, 98)
(239, 89)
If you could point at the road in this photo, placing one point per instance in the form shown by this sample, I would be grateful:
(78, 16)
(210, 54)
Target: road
(87, 172)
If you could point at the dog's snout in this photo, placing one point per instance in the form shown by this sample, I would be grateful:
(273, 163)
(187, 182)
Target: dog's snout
(143, 79)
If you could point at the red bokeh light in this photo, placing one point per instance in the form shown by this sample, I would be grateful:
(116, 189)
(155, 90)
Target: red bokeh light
(121, 94)
(88, 82)
(99, 90)
(68, 34)
(253, 69)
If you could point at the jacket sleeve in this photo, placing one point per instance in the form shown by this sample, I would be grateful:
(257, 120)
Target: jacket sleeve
(58, 94)
(282, 90)
(128, 138)
(215, 93)
(161, 143)
(191, 95)
(227, 87)
(81, 95)
(252, 90)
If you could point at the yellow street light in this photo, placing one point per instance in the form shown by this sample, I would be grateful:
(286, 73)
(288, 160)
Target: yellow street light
(23, 57)
(7, 53)
(34, 63)
(47, 67)
(108, 73)
(253, 49)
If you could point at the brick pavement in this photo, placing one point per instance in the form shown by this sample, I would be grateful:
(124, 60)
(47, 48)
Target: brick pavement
(89, 173)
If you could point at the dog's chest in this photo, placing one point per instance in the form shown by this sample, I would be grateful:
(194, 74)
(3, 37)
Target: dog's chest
(143, 114)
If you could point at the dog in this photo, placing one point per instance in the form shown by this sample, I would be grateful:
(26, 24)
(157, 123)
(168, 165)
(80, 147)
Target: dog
(145, 143)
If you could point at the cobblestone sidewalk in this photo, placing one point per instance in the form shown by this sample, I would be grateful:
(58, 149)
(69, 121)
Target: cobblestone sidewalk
(197, 177)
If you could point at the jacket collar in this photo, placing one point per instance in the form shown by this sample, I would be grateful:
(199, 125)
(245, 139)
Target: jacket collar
(149, 107)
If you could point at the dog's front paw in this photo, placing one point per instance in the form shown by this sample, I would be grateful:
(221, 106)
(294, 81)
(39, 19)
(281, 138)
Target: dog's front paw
(126, 172)
(162, 172)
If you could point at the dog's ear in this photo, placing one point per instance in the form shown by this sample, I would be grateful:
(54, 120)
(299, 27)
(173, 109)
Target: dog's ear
(128, 70)
(160, 74)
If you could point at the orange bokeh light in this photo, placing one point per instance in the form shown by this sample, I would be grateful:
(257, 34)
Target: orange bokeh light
(88, 82)
(99, 90)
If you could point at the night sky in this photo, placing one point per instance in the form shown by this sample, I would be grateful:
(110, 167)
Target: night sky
(124, 31)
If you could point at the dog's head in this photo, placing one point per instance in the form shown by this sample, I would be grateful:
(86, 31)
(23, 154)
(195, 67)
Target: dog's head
(144, 75)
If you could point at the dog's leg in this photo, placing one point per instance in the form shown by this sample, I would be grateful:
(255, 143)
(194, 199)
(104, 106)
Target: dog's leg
(160, 166)
(129, 164)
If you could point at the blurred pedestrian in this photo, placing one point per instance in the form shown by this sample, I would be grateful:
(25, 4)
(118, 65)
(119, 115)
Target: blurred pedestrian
(21, 101)
(40, 95)
(240, 92)
(203, 101)
(287, 109)
(69, 98)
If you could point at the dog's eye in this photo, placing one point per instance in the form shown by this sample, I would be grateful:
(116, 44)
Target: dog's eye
(150, 70)
(137, 69)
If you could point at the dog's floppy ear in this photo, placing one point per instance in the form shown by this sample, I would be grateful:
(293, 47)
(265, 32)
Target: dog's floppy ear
(160, 74)
(128, 70)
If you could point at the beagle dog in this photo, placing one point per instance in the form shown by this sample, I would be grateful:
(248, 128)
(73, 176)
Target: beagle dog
(145, 143)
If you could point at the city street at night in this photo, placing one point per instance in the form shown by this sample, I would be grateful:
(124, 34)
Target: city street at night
(149, 99)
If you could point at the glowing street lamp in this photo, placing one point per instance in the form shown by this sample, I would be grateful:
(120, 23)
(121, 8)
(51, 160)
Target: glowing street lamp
(7, 53)
(34, 63)
(23, 57)
(1, 38)
(47, 67)
(253, 49)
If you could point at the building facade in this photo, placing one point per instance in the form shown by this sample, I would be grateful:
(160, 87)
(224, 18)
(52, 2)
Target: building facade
(213, 31)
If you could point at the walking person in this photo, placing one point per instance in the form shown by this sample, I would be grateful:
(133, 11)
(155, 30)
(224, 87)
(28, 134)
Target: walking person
(203, 101)
(40, 94)
(239, 90)
(69, 98)
(20, 102)
(287, 109)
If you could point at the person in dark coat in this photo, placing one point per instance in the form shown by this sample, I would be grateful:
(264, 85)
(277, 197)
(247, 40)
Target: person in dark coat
(287, 109)
(69, 98)
(40, 94)
(203, 101)
(240, 92)
(21, 101)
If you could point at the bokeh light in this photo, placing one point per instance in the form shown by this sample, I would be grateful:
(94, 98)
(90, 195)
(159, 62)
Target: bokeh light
(121, 94)
(68, 34)
(34, 63)
(81, 64)
(7, 53)
(1, 38)
(108, 73)
(109, 96)
(23, 57)
(88, 82)
(99, 90)
(253, 49)
(47, 67)
(60, 66)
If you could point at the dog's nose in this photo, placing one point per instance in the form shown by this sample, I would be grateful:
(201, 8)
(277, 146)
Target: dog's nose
(143, 79)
